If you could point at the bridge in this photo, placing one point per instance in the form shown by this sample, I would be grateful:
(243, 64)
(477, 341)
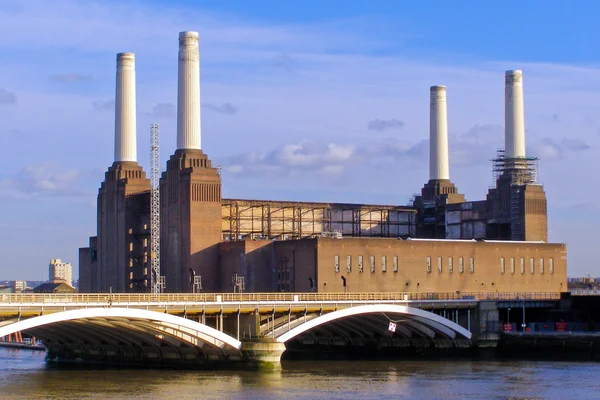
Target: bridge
(200, 329)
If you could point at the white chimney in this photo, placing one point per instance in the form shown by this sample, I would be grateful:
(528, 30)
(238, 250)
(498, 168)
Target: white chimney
(438, 134)
(188, 92)
(514, 115)
(125, 122)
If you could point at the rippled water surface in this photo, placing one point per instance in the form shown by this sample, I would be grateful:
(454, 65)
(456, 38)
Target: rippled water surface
(24, 375)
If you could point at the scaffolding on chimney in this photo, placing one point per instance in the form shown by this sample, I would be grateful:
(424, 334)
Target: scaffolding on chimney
(520, 170)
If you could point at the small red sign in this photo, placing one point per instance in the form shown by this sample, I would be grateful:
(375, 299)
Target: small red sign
(561, 327)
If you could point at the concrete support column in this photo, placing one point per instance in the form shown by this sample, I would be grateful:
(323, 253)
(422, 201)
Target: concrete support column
(262, 353)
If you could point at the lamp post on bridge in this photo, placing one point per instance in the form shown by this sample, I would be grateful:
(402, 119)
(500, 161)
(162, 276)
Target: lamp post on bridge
(523, 325)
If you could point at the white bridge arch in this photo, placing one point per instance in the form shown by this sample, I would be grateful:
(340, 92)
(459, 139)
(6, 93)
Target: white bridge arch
(424, 323)
(115, 326)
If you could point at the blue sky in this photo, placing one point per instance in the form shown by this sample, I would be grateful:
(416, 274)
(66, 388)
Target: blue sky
(302, 100)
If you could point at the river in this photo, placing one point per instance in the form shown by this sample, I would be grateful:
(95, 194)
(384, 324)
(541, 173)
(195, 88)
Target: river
(24, 375)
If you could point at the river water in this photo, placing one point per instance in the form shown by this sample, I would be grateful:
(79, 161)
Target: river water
(24, 375)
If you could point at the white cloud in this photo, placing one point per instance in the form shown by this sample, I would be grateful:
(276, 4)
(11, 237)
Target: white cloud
(104, 105)
(7, 97)
(574, 144)
(70, 77)
(384, 124)
(225, 108)
(47, 179)
(304, 156)
(163, 110)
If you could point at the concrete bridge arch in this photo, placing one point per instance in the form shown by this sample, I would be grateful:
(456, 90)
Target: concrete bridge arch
(126, 335)
(368, 319)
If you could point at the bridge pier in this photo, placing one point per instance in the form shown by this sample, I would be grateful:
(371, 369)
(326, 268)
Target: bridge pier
(264, 353)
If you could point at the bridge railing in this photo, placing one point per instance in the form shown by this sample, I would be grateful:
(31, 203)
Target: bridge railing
(584, 292)
(112, 298)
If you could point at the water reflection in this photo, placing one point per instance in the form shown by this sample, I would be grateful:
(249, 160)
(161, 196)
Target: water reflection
(24, 375)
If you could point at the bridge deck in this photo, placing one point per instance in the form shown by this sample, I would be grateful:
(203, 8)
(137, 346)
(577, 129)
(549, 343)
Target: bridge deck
(25, 305)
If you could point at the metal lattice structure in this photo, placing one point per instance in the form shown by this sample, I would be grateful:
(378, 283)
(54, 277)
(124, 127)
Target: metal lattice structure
(282, 220)
(520, 170)
(157, 281)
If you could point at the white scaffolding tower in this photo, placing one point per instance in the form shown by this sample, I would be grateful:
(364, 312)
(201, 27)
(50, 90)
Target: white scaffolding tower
(158, 281)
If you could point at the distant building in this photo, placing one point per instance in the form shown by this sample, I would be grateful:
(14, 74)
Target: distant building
(54, 287)
(19, 286)
(59, 271)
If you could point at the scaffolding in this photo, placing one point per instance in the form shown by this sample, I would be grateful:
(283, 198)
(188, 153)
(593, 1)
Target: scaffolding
(519, 170)
(515, 172)
(284, 220)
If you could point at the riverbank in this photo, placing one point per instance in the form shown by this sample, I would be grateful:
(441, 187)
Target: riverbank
(21, 345)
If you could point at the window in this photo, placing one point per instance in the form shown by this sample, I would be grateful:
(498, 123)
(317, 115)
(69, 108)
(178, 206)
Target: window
(541, 265)
(383, 264)
(395, 263)
(501, 265)
(450, 268)
(461, 265)
(512, 265)
(360, 264)
(145, 242)
(337, 263)
(348, 263)
(428, 264)
(551, 265)
(440, 265)
(522, 265)
(131, 275)
(130, 246)
(372, 263)
(531, 265)
(472, 265)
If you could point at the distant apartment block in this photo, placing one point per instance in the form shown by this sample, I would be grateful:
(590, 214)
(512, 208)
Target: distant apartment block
(19, 286)
(59, 271)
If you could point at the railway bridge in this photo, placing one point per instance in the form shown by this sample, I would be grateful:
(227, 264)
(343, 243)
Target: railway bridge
(206, 328)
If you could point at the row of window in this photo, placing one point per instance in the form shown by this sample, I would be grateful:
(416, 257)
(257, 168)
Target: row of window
(461, 265)
(440, 266)
(372, 263)
(531, 265)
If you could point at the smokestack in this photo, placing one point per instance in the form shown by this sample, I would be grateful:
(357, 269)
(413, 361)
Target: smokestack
(125, 122)
(188, 92)
(514, 115)
(438, 134)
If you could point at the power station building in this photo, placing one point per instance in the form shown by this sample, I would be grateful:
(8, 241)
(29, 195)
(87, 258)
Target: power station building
(440, 243)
